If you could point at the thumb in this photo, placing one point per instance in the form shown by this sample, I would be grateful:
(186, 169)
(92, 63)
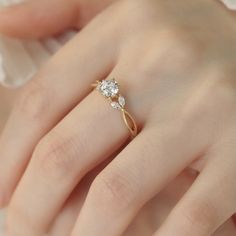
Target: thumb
(38, 18)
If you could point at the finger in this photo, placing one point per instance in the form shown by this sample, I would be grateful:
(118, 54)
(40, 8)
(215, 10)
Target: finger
(210, 201)
(152, 160)
(37, 19)
(65, 220)
(52, 94)
(155, 211)
(87, 136)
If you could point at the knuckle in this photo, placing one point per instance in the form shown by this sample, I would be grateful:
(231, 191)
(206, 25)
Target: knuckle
(57, 155)
(217, 97)
(135, 14)
(33, 100)
(214, 98)
(113, 189)
(184, 50)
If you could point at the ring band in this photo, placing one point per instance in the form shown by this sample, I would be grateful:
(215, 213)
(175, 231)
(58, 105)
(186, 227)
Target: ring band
(110, 89)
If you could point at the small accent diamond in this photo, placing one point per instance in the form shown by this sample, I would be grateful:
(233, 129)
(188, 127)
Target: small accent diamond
(116, 105)
(121, 101)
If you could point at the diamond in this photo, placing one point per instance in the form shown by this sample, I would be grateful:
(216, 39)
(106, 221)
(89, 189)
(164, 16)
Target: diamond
(109, 88)
(116, 105)
(121, 101)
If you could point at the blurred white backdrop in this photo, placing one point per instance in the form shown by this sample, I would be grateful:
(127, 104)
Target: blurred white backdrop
(13, 52)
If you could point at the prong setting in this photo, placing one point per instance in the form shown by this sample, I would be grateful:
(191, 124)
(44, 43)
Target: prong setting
(110, 89)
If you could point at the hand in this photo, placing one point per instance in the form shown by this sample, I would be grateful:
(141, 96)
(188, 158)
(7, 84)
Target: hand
(177, 72)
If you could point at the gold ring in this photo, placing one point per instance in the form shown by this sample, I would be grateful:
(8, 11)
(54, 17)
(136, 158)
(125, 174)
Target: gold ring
(110, 89)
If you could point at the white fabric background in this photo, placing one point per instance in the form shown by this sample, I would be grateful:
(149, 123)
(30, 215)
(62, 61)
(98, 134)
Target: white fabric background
(230, 3)
(19, 60)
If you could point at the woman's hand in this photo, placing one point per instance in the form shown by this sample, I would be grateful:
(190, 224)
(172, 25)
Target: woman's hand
(175, 62)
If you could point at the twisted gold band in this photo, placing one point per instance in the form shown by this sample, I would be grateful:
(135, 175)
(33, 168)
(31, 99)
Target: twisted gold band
(110, 89)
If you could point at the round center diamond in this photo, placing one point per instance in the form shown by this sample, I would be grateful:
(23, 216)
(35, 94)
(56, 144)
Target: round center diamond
(109, 88)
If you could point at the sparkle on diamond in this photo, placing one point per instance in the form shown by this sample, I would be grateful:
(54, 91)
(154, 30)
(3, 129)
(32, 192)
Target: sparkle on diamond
(109, 88)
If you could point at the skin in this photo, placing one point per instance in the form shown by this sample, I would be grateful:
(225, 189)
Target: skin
(6, 102)
(177, 73)
(39, 19)
(150, 217)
